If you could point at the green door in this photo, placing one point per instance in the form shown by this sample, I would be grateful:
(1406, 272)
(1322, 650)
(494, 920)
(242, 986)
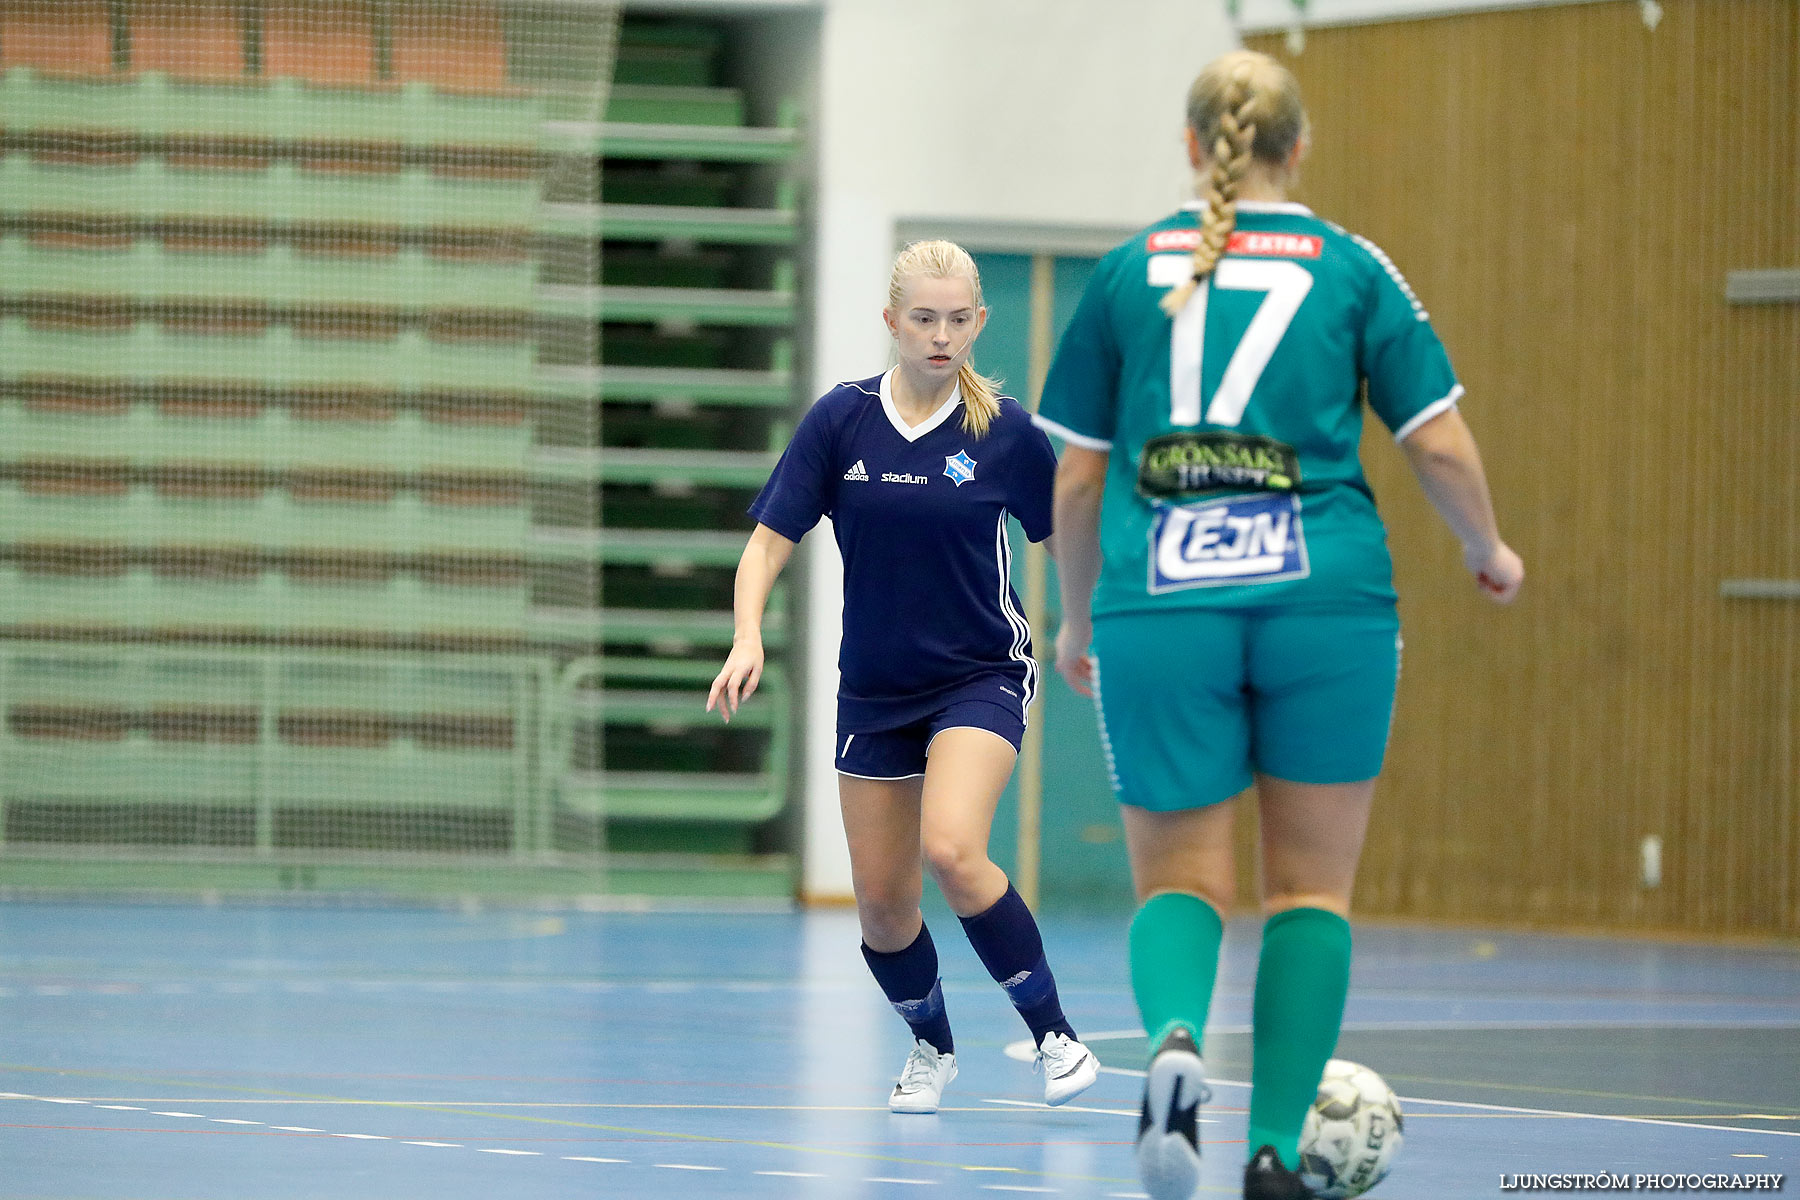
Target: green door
(1079, 847)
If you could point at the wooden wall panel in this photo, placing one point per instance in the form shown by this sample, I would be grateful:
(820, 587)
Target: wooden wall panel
(1566, 190)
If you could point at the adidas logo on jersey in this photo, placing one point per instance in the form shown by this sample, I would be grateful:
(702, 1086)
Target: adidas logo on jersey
(857, 472)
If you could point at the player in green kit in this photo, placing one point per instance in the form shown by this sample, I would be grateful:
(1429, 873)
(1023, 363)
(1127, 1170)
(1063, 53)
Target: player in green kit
(1227, 591)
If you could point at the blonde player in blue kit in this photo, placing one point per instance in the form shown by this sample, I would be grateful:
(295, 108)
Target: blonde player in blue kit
(919, 470)
(1227, 591)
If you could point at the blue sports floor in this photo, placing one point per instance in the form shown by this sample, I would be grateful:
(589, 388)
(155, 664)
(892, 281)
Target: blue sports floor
(250, 1053)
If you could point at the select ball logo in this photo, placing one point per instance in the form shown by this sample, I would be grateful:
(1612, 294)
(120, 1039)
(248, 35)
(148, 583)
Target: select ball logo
(1352, 1133)
(1241, 539)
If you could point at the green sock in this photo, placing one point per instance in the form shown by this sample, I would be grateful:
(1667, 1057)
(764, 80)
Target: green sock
(1302, 976)
(1175, 940)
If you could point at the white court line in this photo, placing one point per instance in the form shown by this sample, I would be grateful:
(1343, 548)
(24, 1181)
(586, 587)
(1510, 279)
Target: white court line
(686, 1167)
(196, 1116)
(519, 1153)
(296, 1129)
(791, 1174)
(121, 1107)
(1026, 1051)
(896, 1179)
(586, 1158)
(1013, 1051)
(1552, 1112)
(232, 1121)
(362, 1137)
(1110, 1112)
(440, 1145)
(1530, 1112)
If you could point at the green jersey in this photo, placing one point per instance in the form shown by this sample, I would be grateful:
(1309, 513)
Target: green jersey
(1234, 480)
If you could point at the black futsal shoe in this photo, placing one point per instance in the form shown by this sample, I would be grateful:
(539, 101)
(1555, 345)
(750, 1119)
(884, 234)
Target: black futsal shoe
(1168, 1140)
(1266, 1179)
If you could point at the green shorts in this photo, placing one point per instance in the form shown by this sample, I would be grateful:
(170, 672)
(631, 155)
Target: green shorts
(1192, 702)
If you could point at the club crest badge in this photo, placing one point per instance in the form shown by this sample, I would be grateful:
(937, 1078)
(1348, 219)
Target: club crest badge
(959, 467)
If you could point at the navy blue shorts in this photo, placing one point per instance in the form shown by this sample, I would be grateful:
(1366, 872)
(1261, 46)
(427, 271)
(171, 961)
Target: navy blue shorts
(900, 753)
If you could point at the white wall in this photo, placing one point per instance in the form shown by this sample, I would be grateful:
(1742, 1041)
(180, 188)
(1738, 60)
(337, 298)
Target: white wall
(1037, 111)
(1267, 16)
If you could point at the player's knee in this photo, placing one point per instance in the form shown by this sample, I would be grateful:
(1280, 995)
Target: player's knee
(1334, 901)
(888, 922)
(953, 863)
(1221, 897)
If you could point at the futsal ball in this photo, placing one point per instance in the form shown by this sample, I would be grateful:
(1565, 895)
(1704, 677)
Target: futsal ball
(1353, 1130)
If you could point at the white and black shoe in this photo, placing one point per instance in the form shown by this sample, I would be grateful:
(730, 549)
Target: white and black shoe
(1168, 1140)
(922, 1079)
(1265, 1178)
(1069, 1068)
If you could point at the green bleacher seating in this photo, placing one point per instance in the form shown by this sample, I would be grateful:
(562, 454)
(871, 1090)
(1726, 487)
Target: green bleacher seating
(761, 389)
(149, 350)
(266, 272)
(276, 446)
(271, 518)
(671, 53)
(270, 734)
(274, 438)
(692, 794)
(269, 190)
(264, 111)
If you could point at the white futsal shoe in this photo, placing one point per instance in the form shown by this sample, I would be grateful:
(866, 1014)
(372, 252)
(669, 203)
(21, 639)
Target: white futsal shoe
(1168, 1140)
(922, 1079)
(1069, 1068)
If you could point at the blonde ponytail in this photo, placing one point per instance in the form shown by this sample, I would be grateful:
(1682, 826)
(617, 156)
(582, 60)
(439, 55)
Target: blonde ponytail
(947, 260)
(1244, 105)
(981, 400)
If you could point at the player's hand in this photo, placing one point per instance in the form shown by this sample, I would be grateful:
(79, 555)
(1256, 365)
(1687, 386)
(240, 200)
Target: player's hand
(1498, 571)
(737, 679)
(1073, 662)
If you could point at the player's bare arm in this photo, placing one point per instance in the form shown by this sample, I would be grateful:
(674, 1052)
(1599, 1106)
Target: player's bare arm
(1443, 455)
(764, 556)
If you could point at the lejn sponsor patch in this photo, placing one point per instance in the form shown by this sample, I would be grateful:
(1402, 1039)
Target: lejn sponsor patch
(1243, 539)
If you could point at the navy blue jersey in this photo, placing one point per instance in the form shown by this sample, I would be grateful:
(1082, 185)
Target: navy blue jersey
(920, 516)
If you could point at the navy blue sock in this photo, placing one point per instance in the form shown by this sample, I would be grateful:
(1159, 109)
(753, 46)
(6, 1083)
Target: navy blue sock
(909, 979)
(1007, 940)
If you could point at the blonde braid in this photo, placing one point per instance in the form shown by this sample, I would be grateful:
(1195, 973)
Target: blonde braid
(1231, 153)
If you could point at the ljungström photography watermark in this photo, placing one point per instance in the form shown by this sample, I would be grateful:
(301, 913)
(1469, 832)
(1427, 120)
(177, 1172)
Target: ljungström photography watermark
(1669, 1181)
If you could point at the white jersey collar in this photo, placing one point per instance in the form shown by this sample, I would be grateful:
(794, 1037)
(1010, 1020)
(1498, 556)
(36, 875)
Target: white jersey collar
(913, 433)
(1257, 206)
